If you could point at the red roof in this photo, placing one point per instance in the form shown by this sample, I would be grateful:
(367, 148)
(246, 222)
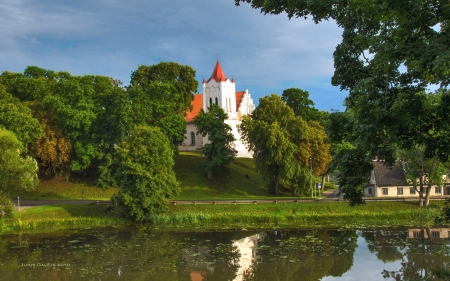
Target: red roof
(239, 96)
(197, 105)
(218, 74)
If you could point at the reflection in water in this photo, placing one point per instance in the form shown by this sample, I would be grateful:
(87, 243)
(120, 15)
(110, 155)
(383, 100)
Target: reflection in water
(320, 254)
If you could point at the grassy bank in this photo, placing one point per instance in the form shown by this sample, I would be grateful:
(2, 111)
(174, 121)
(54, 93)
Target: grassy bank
(301, 215)
(240, 182)
(339, 215)
(54, 218)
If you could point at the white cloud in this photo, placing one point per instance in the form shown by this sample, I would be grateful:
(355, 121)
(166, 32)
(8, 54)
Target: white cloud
(113, 37)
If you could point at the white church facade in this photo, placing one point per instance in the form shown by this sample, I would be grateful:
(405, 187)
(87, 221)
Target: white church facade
(221, 91)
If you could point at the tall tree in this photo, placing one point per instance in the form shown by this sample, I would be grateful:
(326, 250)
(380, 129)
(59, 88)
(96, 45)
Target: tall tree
(160, 96)
(390, 52)
(145, 175)
(219, 150)
(299, 101)
(16, 171)
(17, 118)
(269, 133)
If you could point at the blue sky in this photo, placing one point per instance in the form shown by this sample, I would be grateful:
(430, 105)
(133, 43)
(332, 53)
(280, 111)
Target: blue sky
(265, 54)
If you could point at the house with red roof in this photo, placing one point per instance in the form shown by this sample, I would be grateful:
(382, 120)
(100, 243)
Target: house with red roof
(220, 90)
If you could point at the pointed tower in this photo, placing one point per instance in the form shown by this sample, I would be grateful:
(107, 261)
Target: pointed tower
(221, 91)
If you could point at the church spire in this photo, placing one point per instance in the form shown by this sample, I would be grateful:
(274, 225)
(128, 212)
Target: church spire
(218, 73)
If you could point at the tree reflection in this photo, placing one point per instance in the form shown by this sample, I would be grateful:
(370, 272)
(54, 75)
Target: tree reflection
(423, 258)
(303, 255)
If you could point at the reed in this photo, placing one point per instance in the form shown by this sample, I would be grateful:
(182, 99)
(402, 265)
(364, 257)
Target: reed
(300, 215)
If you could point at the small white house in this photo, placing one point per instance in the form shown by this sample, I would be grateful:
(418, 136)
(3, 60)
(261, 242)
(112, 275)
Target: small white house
(391, 182)
(221, 91)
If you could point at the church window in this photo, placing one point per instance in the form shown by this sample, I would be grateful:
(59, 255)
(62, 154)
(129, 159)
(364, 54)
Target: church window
(210, 101)
(192, 138)
(217, 101)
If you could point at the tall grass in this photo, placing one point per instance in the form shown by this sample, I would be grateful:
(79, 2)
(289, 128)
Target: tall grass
(300, 215)
(53, 218)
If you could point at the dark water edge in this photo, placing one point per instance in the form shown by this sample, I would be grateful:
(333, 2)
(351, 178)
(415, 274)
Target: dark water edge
(254, 254)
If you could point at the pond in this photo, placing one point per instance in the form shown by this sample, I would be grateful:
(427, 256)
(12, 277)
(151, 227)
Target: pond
(274, 254)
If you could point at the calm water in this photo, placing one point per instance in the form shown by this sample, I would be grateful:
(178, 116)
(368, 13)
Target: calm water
(321, 254)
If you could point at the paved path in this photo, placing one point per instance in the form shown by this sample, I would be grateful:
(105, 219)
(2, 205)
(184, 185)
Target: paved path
(25, 204)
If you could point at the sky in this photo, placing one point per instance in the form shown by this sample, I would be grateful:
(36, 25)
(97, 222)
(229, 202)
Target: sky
(264, 54)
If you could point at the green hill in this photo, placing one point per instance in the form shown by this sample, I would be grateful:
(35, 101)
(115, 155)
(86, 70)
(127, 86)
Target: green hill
(240, 181)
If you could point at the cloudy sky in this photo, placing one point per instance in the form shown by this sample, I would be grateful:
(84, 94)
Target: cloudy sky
(265, 54)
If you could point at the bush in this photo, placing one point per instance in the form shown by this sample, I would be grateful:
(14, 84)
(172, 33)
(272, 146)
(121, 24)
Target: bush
(6, 207)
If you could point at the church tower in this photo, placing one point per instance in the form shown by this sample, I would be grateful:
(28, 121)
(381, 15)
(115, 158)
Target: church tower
(221, 91)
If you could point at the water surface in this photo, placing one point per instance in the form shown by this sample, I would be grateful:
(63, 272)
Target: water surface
(274, 254)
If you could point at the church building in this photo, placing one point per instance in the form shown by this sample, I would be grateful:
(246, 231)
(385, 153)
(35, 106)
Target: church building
(221, 91)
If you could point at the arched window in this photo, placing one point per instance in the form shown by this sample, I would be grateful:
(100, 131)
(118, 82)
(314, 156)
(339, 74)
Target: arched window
(217, 101)
(210, 101)
(192, 138)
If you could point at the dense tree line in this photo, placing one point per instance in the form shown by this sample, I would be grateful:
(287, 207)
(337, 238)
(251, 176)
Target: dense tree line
(391, 52)
(71, 124)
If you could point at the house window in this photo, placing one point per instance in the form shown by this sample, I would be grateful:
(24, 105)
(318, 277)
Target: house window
(417, 234)
(192, 138)
(370, 191)
(399, 190)
(217, 101)
(385, 191)
(435, 234)
(210, 101)
(412, 190)
(437, 190)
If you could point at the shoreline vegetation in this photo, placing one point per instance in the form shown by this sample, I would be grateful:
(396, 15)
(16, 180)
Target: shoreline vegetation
(195, 217)
(241, 182)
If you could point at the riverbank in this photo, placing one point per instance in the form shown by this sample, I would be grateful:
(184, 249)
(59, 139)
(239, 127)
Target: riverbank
(284, 215)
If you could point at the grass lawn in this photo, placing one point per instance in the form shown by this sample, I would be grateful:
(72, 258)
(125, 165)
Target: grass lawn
(240, 182)
(53, 218)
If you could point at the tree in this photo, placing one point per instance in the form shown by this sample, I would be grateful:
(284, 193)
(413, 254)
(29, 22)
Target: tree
(390, 52)
(16, 171)
(17, 118)
(270, 132)
(219, 151)
(299, 101)
(144, 174)
(160, 96)
(428, 172)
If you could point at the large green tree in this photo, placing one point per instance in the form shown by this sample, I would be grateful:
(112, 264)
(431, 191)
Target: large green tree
(160, 95)
(390, 52)
(219, 150)
(271, 132)
(145, 175)
(16, 171)
(17, 118)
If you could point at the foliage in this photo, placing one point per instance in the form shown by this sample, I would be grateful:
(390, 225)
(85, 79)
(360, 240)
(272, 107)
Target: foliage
(52, 149)
(160, 96)
(219, 150)
(284, 145)
(17, 118)
(270, 133)
(6, 207)
(299, 101)
(145, 175)
(16, 172)
(390, 52)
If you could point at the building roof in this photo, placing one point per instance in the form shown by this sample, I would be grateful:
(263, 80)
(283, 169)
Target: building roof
(197, 105)
(388, 176)
(218, 74)
(239, 96)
